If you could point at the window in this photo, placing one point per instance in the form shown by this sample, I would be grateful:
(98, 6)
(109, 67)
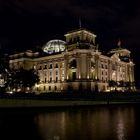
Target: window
(102, 73)
(49, 87)
(45, 67)
(50, 66)
(73, 64)
(55, 88)
(102, 66)
(45, 80)
(56, 66)
(40, 68)
(50, 73)
(92, 64)
(50, 79)
(56, 79)
(56, 72)
(113, 67)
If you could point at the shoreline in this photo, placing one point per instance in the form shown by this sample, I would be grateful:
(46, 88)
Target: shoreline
(34, 103)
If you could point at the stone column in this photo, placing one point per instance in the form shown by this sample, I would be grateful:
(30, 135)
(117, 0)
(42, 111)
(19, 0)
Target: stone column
(65, 67)
(53, 72)
(88, 65)
(116, 66)
(133, 73)
(59, 71)
(97, 74)
(109, 70)
(78, 60)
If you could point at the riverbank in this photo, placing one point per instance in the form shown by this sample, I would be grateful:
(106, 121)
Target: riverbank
(25, 103)
(73, 99)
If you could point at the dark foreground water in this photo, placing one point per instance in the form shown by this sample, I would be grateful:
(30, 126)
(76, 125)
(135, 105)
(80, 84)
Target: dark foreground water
(116, 122)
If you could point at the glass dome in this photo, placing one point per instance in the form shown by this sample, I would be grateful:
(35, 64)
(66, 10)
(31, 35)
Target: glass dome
(54, 46)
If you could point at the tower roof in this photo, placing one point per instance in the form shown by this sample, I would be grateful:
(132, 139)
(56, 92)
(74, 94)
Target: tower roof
(80, 30)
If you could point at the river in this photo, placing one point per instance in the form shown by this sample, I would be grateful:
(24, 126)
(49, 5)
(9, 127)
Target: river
(109, 122)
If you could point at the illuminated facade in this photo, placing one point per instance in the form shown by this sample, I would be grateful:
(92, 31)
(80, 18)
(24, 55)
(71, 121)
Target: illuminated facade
(77, 64)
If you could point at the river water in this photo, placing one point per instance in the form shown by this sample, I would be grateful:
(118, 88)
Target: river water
(110, 122)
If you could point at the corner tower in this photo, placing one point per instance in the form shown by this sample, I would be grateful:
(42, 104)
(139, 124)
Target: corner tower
(81, 39)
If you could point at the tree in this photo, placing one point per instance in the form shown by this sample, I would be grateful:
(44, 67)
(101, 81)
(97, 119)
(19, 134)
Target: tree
(22, 79)
(4, 67)
(113, 84)
(122, 84)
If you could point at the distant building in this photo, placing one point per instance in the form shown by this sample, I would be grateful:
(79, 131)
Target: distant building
(77, 64)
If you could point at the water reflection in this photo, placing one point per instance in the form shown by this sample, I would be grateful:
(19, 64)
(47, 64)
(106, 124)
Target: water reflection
(97, 123)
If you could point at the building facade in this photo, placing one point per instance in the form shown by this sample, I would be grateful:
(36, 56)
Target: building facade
(77, 64)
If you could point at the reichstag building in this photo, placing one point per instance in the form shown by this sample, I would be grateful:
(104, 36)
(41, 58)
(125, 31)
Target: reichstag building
(77, 64)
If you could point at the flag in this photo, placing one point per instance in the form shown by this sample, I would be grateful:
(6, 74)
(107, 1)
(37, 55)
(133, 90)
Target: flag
(119, 43)
(80, 22)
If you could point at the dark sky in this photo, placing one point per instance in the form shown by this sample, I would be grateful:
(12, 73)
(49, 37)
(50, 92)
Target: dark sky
(29, 23)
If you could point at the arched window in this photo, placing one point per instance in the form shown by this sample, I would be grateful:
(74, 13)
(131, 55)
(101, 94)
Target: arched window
(92, 64)
(73, 64)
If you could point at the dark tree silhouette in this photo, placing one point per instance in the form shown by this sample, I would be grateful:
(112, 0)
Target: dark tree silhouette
(21, 79)
(112, 83)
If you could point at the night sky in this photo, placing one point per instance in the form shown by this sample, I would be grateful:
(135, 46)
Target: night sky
(27, 24)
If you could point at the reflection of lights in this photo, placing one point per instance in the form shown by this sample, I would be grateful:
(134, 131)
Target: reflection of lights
(120, 130)
(51, 126)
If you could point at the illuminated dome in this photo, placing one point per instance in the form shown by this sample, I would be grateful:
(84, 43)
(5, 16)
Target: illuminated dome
(54, 46)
